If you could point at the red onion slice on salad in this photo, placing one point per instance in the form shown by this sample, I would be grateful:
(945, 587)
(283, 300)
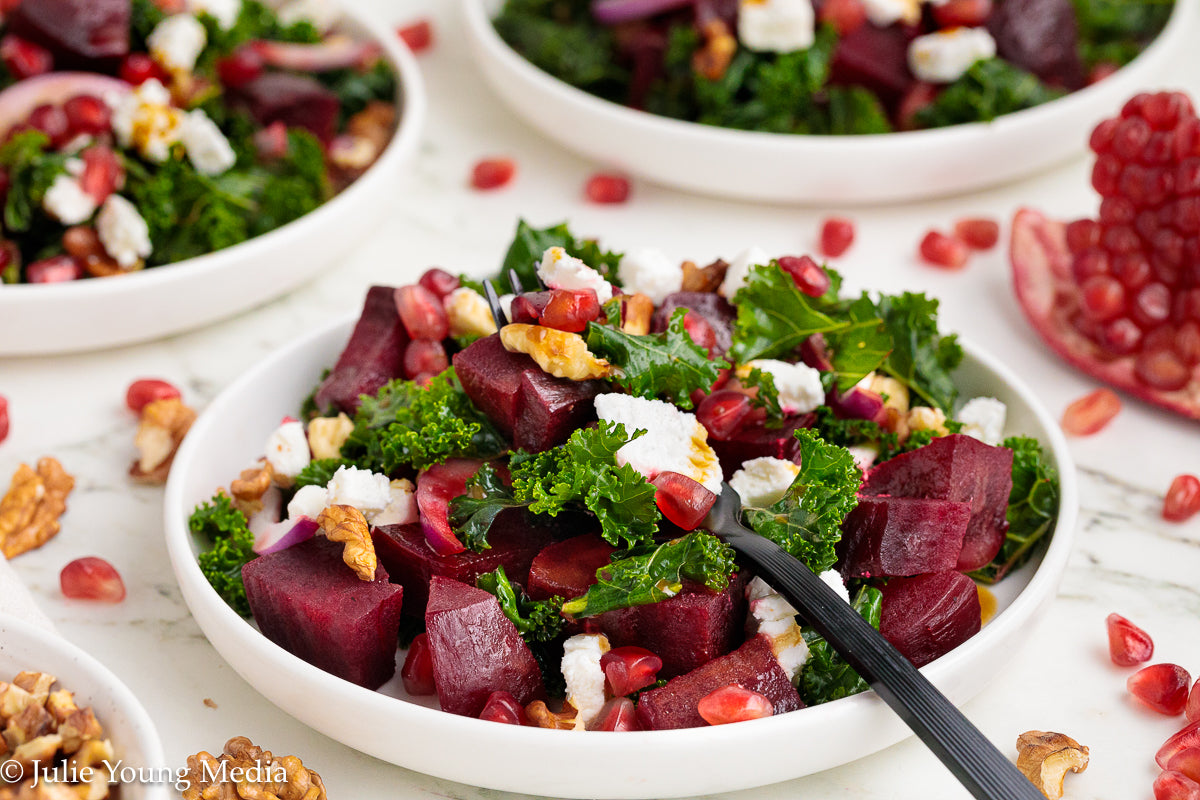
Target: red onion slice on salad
(614, 12)
(53, 88)
(336, 52)
(283, 535)
(858, 404)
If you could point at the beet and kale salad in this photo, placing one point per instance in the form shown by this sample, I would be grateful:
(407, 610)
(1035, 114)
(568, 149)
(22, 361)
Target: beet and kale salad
(830, 66)
(138, 133)
(523, 507)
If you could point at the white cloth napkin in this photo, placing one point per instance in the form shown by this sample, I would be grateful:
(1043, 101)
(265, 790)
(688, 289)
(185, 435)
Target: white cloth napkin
(16, 601)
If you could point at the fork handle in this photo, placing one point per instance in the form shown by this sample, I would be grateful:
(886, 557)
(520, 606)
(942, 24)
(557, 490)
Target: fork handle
(967, 753)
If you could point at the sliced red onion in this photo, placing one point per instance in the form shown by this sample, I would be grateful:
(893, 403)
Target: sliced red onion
(436, 487)
(857, 404)
(283, 535)
(614, 12)
(336, 52)
(53, 88)
(270, 513)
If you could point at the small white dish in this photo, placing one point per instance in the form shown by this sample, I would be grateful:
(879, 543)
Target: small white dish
(830, 170)
(413, 733)
(135, 741)
(100, 313)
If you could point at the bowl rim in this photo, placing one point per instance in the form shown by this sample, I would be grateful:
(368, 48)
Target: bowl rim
(479, 26)
(1040, 589)
(411, 112)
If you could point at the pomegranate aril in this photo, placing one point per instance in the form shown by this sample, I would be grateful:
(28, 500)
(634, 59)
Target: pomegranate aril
(1106, 172)
(1187, 176)
(628, 669)
(417, 35)
(1102, 136)
(700, 330)
(421, 313)
(23, 58)
(87, 114)
(570, 309)
(1188, 736)
(1163, 110)
(1186, 761)
(1133, 271)
(1182, 500)
(1161, 369)
(424, 356)
(607, 187)
(1130, 137)
(4, 418)
(493, 173)
(144, 391)
(809, 276)
(943, 251)
(837, 234)
(52, 121)
(1192, 710)
(1117, 211)
(137, 68)
(978, 233)
(417, 672)
(54, 270)
(1082, 234)
(1090, 413)
(1173, 785)
(1121, 337)
(1151, 306)
(1187, 215)
(682, 500)
(733, 703)
(962, 13)
(617, 714)
(1158, 151)
(527, 308)
(1120, 239)
(1187, 343)
(846, 16)
(438, 281)
(240, 67)
(502, 707)
(102, 174)
(723, 413)
(1089, 263)
(1102, 298)
(1163, 687)
(1127, 643)
(92, 578)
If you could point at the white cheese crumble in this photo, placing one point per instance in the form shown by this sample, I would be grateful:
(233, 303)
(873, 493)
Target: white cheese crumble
(651, 272)
(67, 202)
(561, 271)
(776, 26)
(123, 232)
(883, 13)
(308, 501)
(674, 440)
(944, 56)
(776, 619)
(864, 455)
(287, 449)
(739, 270)
(402, 505)
(799, 385)
(468, 313)
(369, 492)
(144, 119)
(833, 580)
(323, 14)
(225, 12)
(763, 481)
(984, 418)
(584, 676)
(177, 42)
(506, 301)
(207, 148)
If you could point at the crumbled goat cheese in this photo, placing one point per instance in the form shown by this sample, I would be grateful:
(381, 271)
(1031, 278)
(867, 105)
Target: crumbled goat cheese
(506, 301)
(584, 676)
(763, 481)
(799, 385)
(833, 580)
(177, 42)
(144, 119)
(207, 148)
(123, 232)
(402, 505)
(561, 271)
(739, 270)
(287, 449)
(864, 455)
(651, 272)
(308, 501)
(323, 14)
(883, 13)
(945, 56)
(67, 202)
(468, 313)
(369, 492)
(674, 440)
(776, 619)
(776, 26)
(225, 12)
(984, 418)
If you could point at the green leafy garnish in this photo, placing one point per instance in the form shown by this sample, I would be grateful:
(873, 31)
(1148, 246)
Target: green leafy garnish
(767, 396)
(472, 514)
(1115, 31)
(773, 316)
(230, 544)
(31, 170)
(529, 244)
(921, 357)
(356, 88)
(1032, 508)
(653, 573)
(826, 675)
(318, 472)
(861, 346)
(536, 620)
(987, 90)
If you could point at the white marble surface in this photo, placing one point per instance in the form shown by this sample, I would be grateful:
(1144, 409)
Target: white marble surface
(1127, 559)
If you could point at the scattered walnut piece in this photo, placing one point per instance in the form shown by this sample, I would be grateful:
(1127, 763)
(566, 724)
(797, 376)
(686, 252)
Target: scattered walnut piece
(30, 510)
(703, 279)
(263, 775)
(924, 418)
(561, 354)
(638, 313)
(541, 715)
(348, 525)
(326, 435)
(209, 702)
(1045, 757)
(249, 487)
(712, 59)
(163, 425)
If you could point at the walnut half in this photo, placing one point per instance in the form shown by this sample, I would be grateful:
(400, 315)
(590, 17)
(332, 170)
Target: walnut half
(261, 775)
(30, 509)
(347, 524)
(1045, 757)
(561, 354)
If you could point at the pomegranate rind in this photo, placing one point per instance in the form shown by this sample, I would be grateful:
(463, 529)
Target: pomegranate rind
(1041, 264)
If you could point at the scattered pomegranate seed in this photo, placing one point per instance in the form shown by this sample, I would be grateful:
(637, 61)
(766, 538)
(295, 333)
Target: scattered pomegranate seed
(723, 413)
(418, 36)
(103, 172)
(617, 714)
(1192, 709)
(809, 277)
(52, 121)
(87, 114)
(424, 356)
(92, 578)
(422, 313)
(502, 707)
(1187, 737)
(962, 13)
(1186, 761)
(977, 232)
(837, 234)
(1127, 643)
(628, 669)
(4, 419)
(733, 703)
(1090, 413)
(492, 173)
(417, 672)
(944, 251)
(1183, 498)
(1163, 687)
(846, 16)
(240, 67)
(682, 500)
(54, 270)
(570, 310)
(1172, 785)
(607, 187)
(23, 58)
(144, 391)
(438, 281)
(137, 68)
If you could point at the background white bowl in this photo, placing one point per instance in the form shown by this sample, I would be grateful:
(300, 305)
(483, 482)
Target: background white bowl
(412, 733)
(125, 722)
(831, 170)
(98, 313)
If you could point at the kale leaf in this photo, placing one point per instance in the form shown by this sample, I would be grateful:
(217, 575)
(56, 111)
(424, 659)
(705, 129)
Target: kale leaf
(767, 395)
(319, 472)
(230, 544)
(861, 346)
(529, 243)
(987, 90)
(472, 514)
(570, 47)
(1115, 31)
(826, 675)
(31, 168)
(773, 316)
(535, 620)
(356, 88)
(921, 357)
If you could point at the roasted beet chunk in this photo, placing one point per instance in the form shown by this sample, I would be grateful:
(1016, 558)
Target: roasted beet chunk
(569, 567)
(927, 616)
(898, 536)
(759, 442)
(295, 100)
(715, 310)
(875, 58)
(373, 356)
(1041, 36)
(306, 600)
(82, 34)
(476, 650)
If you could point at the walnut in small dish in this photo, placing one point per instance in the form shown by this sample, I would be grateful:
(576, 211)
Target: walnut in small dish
(248, 772)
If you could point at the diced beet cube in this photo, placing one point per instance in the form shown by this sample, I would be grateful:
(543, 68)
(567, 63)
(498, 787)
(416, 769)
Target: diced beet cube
(874, 58)
(306, 600)
(927, 616)
(686, 631)
(295, 100)
(758, 442)
(82, 34)
(411, 562)
(476, 650)
(959, 468)
(373, 356)
(899, 536)
(715, 310)
(752, 666)
(568, 568)
(1040, 36)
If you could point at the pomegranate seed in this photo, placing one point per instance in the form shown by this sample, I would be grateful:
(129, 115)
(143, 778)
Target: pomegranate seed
(1102, 298)
(1161, 368)
(492, 173)
(1120, 337)
(570, 310)
(977, 232)
(92, 578)
(1100, 71)
(1188, 736)
(4, 418)
(1163, 687)
(962, 13)
(919, 97)
(700, 330)
(846, 16)
(1089, 263)
(52, 121)
(1090, 413)
(682, 500)
(240, 67)
(418, 36)
(527, 308)
(1102, 135)
(103, 172)
(1105, 174)
(628, 669)
(424, 356)
(502, 707)
(1082, 234)
(1133, 271)
(1173, 785)
(1186, 761)
(1127, 643)
(417, 672)
(54, 270)
(617, 714)
(1183, 498)
(733, 703)
(809, 276)
(271, 142)
(837, 234)
(144, 391)
(1151, 306)
(944, 251)
(422, 313)
(607, 187)
(723, 413)
(438, 281)
(23, 58)
(137, 68)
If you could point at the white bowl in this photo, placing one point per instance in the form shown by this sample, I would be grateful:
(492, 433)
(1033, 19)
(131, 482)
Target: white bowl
(107, 312)
(413, 734)
(135, 742)
(791, 168)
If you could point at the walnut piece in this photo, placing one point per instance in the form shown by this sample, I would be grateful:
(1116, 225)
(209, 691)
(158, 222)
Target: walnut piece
(541, 715)
(163, 425)
(249, 487)
(326, 435)
(561, 354)
(248, 772)
(347, 524)
(30, 510)
(713, 58)
(638, 313)
(703, 279)
(1045, 757)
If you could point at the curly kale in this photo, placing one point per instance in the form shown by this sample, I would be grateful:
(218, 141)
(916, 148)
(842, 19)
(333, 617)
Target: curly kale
(539, 622)
(826, 675)
(230, 544)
